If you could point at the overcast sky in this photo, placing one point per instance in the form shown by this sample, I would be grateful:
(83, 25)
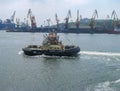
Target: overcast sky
(44, 9)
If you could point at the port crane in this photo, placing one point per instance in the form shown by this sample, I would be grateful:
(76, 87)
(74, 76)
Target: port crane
(114, 15)
(12, 17)
(77, 20)
(0, 21)
(32, 18)
(116, 21)
(67, 19)
(105, 22)
(48, 21)
(57, 21)
(18, 22)
(92, 21)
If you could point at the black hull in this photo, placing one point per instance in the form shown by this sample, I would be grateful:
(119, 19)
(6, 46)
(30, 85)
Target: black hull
(67, 52)
(30, 52)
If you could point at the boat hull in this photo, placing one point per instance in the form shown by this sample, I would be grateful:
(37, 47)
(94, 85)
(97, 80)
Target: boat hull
(32, 52)
(67, 52)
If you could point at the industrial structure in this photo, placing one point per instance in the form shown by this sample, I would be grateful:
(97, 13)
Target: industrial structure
(81, 25)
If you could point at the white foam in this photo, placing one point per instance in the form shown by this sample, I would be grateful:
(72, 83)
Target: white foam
(87, 53)
(99, 53)
(20, 52)
(45, 56)
(117, 81)
(105, 86)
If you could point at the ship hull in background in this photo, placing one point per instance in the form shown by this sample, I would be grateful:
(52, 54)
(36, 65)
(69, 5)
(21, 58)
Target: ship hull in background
(69, 30)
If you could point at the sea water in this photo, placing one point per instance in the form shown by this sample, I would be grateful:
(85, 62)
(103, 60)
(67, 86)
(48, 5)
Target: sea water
(96, 68)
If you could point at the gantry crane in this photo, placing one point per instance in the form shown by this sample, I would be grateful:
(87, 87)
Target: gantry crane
(18, 22)
(48, 21)
(12, 17)
(116, 21)
(114, 15)
(92, 21)
(67, 19)
(32, 18)
(57, 21)
(77, 20)
(105, 22)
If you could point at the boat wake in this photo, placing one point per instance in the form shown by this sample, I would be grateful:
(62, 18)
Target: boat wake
(83, 53)
(20, 52)
(99, 53)
(107, 85)
(45, 56)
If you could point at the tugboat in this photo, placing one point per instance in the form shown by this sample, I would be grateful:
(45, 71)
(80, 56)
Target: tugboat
(51, 46)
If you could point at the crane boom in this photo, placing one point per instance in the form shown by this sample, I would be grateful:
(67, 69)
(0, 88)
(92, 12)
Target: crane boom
(116, 21)
(67, 19)
(94, 16)
(18, 22)
(77, 20)
(13, 16)
(69, 14)
(57, 20)
(48, 21)
(32, 18)
(114, 15)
